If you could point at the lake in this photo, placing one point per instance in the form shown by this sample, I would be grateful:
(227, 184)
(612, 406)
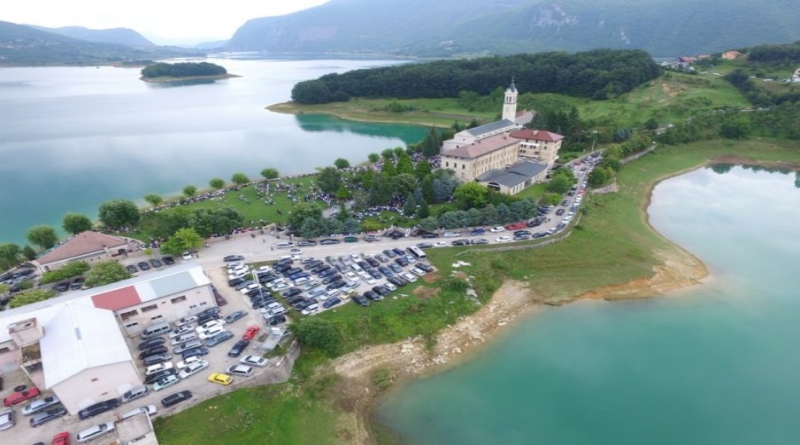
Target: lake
(72, 138)
(714, 364)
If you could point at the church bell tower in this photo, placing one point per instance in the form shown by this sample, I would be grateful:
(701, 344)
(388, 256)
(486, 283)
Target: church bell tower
(510, 104)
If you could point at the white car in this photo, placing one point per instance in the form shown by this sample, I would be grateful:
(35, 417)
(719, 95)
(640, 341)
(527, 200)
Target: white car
(157, 367)
(235, 275)
(165, 382)
(40, 405)
(355, 257)
(187, 320)
(180, 331)
(369, 280)
(149, 409)
(186, 256)
(183, 364)
(503, 239)
(94, 432)
(418, 272)
(311, 309)
(497, 229)
(280, 286)
(263, 269)
(208, 325)
(240, 370)
(236, 265)
(390, 286)
(351, 275)
(192, 368)
(183, 338)
(254, 360)
(208, 333)
(410, 278)
(249, 287)
(440, 244)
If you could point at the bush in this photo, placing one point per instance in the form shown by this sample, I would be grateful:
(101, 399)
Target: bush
(70, 270)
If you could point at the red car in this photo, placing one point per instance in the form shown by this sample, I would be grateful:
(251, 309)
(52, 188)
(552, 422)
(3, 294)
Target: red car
(21, 396)
(516, 226)
(61, 438)
(250, 333)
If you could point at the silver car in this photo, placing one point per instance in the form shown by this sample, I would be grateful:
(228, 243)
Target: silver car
(40, 405)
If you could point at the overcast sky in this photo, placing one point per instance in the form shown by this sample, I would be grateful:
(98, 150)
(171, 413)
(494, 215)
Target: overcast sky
(162, 21)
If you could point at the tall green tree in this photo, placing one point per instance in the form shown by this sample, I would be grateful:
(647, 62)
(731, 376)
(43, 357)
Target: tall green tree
(388, 155)
(28, 253)
(217, 183)
(9, 255)
(381, 191)
(270, 173)
(240, 179)
(153, 199)
(75, 223)
(215, 222)
(189, 191)
(422, 169)
(374, 157)
(341, 163)
(470, 195)
(106, 272)
(403, 184)
(404, 164)
(423, 211)
(42, 236)
(317, 333)
(302, 211)
(118, 214)
(183, 240)
(410, 206)
(329, 180)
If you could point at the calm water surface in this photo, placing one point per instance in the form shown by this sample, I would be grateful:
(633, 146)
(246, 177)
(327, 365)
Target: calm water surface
(71, 138)
(715, 364)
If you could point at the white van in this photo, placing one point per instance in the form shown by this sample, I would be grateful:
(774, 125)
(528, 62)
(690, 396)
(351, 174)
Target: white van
(285, 245)
(301, 280)
(155, 330)
(316, 292)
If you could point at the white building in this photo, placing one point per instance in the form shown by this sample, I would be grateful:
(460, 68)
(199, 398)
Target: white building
(74, 345)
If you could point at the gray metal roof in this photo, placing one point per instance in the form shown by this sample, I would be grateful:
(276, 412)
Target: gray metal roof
(513, 175)
(488, 128)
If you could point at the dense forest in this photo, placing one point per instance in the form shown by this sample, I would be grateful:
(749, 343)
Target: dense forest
(789, 52)
(597, 74)
(182, 70)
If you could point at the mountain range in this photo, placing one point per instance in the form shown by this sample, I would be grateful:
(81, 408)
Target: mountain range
(443, 28)
(22, 45)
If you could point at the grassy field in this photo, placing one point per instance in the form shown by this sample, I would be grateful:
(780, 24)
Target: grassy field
(612, 244)
(427, 112)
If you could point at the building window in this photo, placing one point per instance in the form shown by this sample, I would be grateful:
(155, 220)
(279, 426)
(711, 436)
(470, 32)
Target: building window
(5, 350)
(447, 164)
(95, 379)
(130, 325)
(152, 307)
(463, 166)
(178, 299)
(157, 317)
(128, 315)
(203, 303)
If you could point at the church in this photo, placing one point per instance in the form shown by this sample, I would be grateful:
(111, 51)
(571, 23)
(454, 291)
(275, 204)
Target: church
(502, 155)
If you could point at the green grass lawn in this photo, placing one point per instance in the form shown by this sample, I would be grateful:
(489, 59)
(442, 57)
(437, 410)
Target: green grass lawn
(269, 414)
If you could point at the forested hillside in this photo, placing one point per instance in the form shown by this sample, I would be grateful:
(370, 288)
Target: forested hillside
(597, 74)
(185, 69)
(22, 45)
(122, 36)
(444, 28)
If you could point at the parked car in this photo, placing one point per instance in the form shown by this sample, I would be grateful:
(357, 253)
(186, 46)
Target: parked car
(168, 260)
(234, 316)
(503, 239)
(194, 352)
(238, 348)
(47, 415)
(230, 258)
(151, 342)
(192, 369)
(136, 393)
(220, 379)
(98, 408)
(205, 335)
(331, 303)
(155, 350)
(155, 262)
(94, 432)
(143, 265)
(131, 268)
(219, 338)
(361, 301)
(250, 333)
(240, 370)
(149, 409)
(254, 360)
(174, 399)
(497, 229)
(158, 375)
(7, 418)
(165, 382)
(196, 343)
(39, 405)
(328, 241)
(61, 438)
(21, 396)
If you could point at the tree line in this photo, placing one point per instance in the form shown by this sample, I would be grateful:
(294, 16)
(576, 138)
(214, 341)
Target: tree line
(596, 74)
(789, 52)
(184, 69)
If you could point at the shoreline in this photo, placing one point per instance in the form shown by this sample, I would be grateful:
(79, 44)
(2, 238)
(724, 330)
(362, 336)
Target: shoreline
(512, 303)
(180, 79)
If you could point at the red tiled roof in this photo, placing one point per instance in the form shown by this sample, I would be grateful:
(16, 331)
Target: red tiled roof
(117, 299)
(537, 135)
(481, 147)
(82, 244)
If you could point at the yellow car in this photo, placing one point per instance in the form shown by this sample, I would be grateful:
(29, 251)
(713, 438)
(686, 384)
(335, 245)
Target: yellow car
(220, 378)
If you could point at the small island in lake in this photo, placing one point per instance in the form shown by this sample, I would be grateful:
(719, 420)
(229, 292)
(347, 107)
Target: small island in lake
(167, 72)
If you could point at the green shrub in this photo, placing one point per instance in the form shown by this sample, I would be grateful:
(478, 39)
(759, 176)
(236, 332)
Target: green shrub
(68, 271)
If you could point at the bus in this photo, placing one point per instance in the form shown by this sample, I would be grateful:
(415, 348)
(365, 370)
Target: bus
(416, 251)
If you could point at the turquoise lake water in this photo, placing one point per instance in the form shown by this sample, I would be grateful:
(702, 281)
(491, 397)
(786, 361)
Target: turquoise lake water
(713, 364)
(72, 138)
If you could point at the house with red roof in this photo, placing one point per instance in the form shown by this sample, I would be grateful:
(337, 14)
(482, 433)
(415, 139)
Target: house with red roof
(86, 246)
